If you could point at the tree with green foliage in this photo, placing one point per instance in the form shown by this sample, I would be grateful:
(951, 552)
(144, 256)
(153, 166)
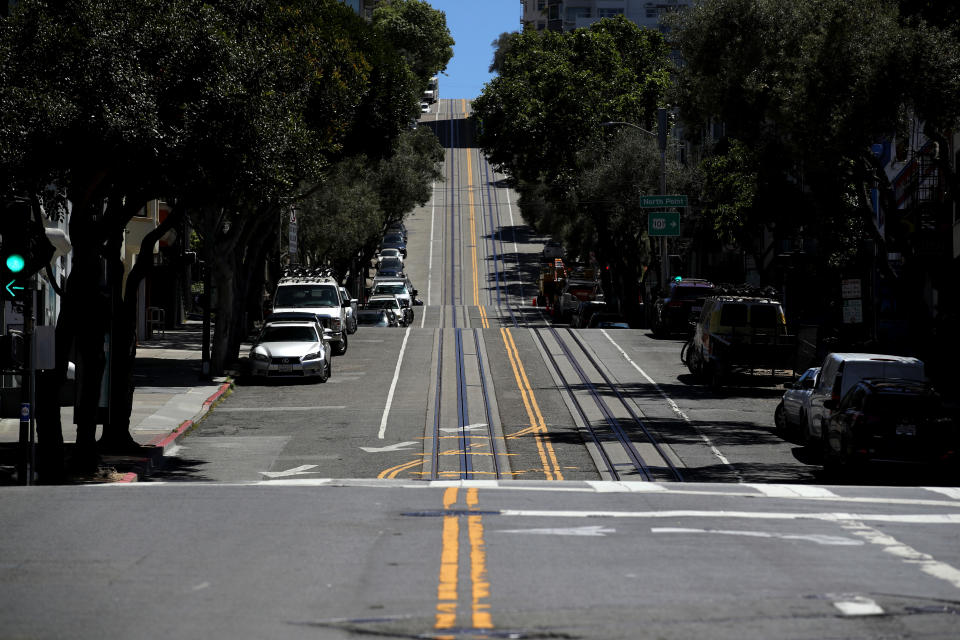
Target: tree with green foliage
(803, 90)
(555, 89)
(223, 110)
(360, 197)
(418, 32)
(541, 120)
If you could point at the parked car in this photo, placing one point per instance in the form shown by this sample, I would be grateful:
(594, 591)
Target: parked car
(292, 348)
(551, 250)
(888, 420)
(608, 321)
(391, 305)
(841, 371)
(376, 318)
(424, 107)
(318, 295)
(389, 253)
(392, 267)
(397, 227)
(685, 298)
(394, 240)
(795, 403)
(586, 310)
(351, 309)
(402, 290)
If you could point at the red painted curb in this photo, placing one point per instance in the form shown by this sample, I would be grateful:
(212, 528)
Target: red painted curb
(186, 424)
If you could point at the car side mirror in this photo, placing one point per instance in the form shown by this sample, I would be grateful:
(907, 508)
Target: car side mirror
(414, 292)
(353, 301)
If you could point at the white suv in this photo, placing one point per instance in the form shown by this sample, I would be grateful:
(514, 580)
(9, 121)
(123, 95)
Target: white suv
(317, 295)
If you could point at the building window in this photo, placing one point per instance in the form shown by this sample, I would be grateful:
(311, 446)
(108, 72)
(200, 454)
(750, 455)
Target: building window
(578, 12)
(541, 4)
(608, 12)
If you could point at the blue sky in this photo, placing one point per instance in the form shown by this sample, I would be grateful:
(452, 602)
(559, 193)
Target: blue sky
(474, 25)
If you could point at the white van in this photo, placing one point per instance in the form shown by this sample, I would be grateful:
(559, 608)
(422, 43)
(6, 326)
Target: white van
(841, 371)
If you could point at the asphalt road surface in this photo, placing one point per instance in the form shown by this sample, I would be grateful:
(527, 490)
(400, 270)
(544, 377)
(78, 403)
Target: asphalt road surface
(484, 473)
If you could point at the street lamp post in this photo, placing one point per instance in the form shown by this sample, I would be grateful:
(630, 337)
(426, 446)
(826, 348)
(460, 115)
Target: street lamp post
(661, 137)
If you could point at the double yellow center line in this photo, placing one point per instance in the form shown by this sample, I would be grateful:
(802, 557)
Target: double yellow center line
(448, 585)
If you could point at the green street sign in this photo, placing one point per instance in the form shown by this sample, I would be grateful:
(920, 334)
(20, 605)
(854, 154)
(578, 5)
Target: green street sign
(655, 202)
(663, 223)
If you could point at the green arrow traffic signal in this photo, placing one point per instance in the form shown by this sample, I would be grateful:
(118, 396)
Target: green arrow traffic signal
(15, 263)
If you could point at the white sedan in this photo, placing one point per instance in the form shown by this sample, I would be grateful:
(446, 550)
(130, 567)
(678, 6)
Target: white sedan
(297, 349)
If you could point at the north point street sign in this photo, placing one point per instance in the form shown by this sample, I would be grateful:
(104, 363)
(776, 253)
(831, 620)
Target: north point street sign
(655, 202)
(663, 223)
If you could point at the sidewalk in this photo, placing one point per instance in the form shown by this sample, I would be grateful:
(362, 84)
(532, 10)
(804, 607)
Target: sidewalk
(168, 399)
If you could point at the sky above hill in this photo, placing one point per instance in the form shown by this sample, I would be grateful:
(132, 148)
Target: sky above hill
(474, 25)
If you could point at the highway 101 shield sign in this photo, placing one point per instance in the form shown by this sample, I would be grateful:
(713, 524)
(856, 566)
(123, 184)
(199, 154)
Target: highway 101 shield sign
(663, 223)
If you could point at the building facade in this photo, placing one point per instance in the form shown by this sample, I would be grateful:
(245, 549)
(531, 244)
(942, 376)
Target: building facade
(567, 15)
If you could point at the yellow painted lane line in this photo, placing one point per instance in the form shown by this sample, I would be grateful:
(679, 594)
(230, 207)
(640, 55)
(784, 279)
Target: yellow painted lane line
(446, 617)
(473, 228)
(480, 591)
(548, 457)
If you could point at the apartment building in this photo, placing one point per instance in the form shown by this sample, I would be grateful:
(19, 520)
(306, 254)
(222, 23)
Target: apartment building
(566, 15)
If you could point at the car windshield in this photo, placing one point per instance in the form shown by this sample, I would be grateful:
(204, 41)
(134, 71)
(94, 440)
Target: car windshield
(280, 333)
(393, 238)
(306, 296)
(389, 289)
(383, 304)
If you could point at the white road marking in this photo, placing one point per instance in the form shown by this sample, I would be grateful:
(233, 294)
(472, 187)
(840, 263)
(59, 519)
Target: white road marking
(245, 409)
(397, 446)
(393, 387)
(908, 554)
(926, 518)
(674, 407)
(613, 486)
(792, 491)
(819, 539)
(433, 206)
(470, 427)
(950, 492)
(859, 606)
(574, 531)
(305, 468)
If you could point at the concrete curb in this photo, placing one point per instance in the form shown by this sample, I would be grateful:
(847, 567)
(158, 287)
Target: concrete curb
(162, 443)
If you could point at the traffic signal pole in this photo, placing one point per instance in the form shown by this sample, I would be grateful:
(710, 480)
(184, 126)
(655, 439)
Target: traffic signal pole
(27, 462)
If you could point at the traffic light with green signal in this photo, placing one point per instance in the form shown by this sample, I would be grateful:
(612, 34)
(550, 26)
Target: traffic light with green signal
(24, 249)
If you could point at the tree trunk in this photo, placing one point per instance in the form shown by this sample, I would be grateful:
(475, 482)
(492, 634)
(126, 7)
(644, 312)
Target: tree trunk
(116, 436)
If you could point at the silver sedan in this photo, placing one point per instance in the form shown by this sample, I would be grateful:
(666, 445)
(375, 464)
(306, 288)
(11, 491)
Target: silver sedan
(291, 349)
(795, 404)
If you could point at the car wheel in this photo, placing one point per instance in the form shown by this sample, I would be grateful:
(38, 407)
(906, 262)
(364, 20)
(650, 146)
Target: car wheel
(780, 418)
(325, 372)
(342, 346)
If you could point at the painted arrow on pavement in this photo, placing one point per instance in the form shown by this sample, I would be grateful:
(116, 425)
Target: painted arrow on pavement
(398, 446)
(296, 471)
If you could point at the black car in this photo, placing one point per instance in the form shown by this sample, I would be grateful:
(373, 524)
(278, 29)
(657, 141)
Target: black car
(672, 313)
(394, 240)
(889, 419)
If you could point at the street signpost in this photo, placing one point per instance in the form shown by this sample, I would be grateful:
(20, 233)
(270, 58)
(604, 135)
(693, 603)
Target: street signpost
(657, 202)
(663, 223)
